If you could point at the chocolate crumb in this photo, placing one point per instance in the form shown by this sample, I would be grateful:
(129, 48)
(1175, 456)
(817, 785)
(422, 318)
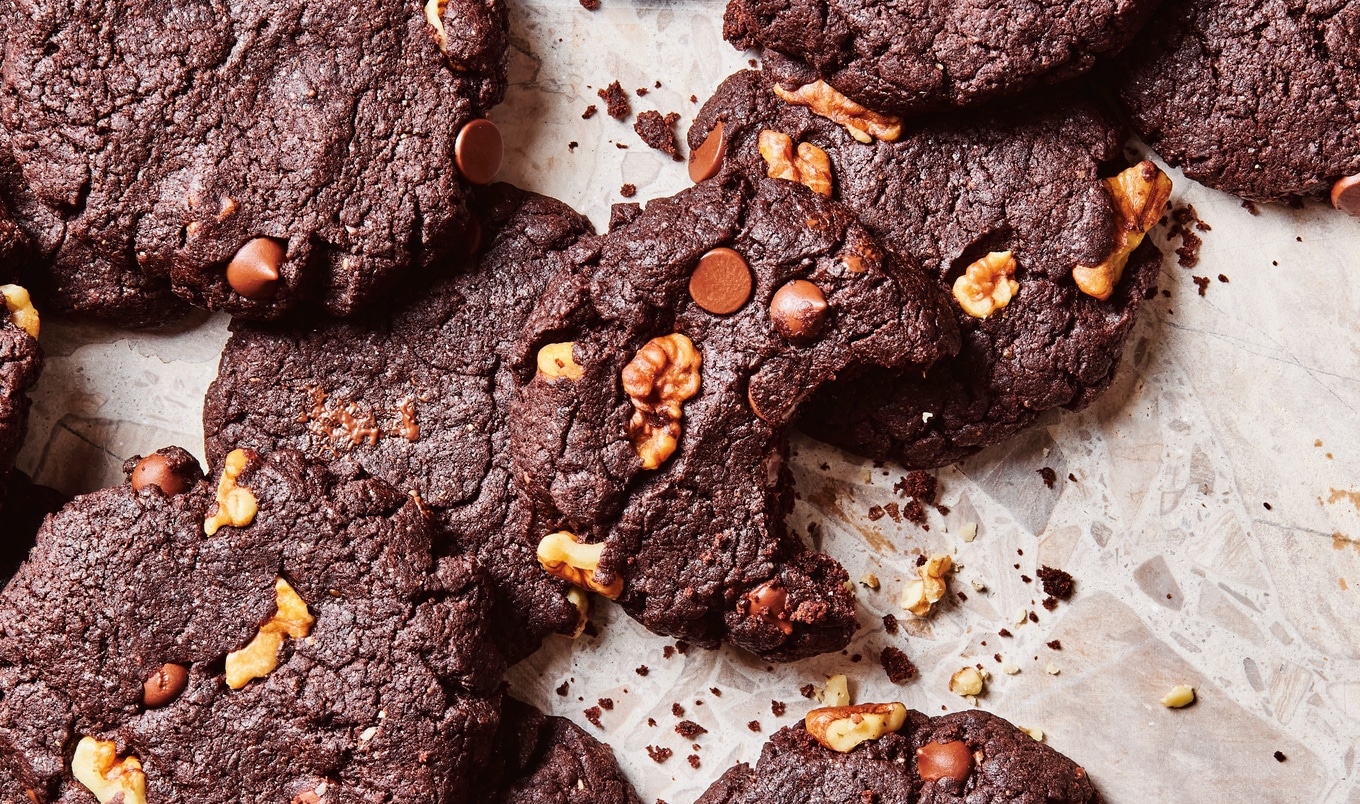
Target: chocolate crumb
(593, 715)
(751, 63)
(657, 131)
(807, 690)
(1025, 579)
(1034, 618)
(896, 664)
(677, 710)
(640, 92)
(606, 704)
(1250, 207)
(1202, 282)
(689, 729)
(996, 657)
(659, 754)
(915, 512)
(1071, 477)
(651, 721)
(693, 98)
(589, 112)
(717, 693)
(1003, 632)
(1280, 757)
(616, 101)
(628, 190)
(590, 5)
(1054, 645)
(621, 146)
(894, 512)
(890, 623)
(562, 689)
(962, 597)
(754, 726)
(1267, 505)
(918, 484)
(1050, 603)
(875, 513)
(778, 708)
(943, 509)
(681, 647)
(642, 670)
(1050, 477)
(693, 761)
(921, 560)
(1056, 582)
(573, 145)
(667, 652)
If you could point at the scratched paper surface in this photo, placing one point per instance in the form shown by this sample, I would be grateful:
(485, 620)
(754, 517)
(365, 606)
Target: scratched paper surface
(1209, 505)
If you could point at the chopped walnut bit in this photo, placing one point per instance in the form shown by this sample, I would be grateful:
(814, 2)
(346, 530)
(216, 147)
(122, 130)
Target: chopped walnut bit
(95, 765)
(1140, 195)
(434, 14)
(556, 360)
(810, 166)
(870, 580)
(968, 532)
(661, 376)
(21, 311)
(1035, 734)
(236, 505)
(1052, 669)
(1010, 669)
(919, 596)
(968, 681)
(1180, 695)
(987, 285)
(576, 596)
(259, 658)
(841, 728)
(836, 692)
(825, 101)
(561, 555)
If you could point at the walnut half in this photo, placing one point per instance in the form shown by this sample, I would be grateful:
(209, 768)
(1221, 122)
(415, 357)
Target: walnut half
(562, 555)
(824, 100)
(810, 166)
(661, 376)
(841, 728)
(1140, 195)
(987, 285)
(919, 596)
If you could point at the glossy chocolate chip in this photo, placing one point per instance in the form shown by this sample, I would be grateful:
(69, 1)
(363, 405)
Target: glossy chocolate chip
(478, 151)
(798, 310)
(705, 160)
(254, 271)
(721, 283)
(771, 601)
(1346, 195)
(164, 685)
(951, 760)
(155, 470)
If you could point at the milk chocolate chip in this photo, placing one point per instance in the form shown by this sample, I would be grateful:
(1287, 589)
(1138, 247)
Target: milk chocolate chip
(1346, 195)
(798, 310)
(478, 151)
(705, 160)
(254, 271)
(156, 470)
(721, 284)
(950, 760)
(771, 601)
(164, 685)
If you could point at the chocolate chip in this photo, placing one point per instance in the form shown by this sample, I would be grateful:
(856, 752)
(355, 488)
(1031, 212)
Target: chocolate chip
(478, 151)
(254, 271)
(1345, 194)
(155, 470)
(705, 160)
(798, 310)
(164, 685)
(721, 283)
(950, 760)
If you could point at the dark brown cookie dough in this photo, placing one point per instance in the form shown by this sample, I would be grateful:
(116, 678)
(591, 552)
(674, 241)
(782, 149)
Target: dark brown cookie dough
(662, 370)
(550, 760)
(331, 136)
(418, 393)
(1024, 177)
(1260, 98)
(965, 756)
(930, 55)
(311, 648)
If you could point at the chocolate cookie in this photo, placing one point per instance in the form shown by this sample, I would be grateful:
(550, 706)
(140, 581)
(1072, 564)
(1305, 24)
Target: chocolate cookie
(248, 158)
(964, 756)
(931, 55)
(1260, 98)
(1014, 212)
(419, 394)
(284, 633)
(550, 760)
(662, 368)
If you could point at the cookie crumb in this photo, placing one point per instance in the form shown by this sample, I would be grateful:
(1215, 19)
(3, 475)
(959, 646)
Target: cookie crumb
(677, 710)
(693, 761)
(573, 145)
(641, 92)
(1050, 603)
(807, 690)
(590, 5)
(916, 513)
(896, 664)
(918, 484)
(890, 623)
(616, 101)
(1280, 757)
(875, 513)
(642, 670)
(717, 693)
(628, 190)
(689, 729)
(563, 688)
(659, 754)
(589, 112)
(894, 512)
(651, 721)
(1003, 632)
(1223, 278)
(606, 704)
(667, 652)
(593, 715)
(681, 647)
(1250, 207)
(1050, 477)
(1056, 582)
(693, 98)
(1202, 282)
(1054, 645)
(778, 708)
(754, 726)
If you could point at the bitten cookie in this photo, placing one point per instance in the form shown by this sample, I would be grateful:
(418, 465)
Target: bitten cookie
(662, 368)
(1027, 214)
(893, 755)
(932, 55)
(1260, 98)
(418, 393)
(282, 633)
(247, 158)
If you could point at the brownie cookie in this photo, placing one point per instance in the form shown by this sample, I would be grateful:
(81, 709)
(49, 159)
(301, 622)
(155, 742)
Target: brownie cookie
(1012, 209)
(418, 394)
(549, 760)
(284, 633)
(662, 367)
(1260, 98)
(900, 756)
(247, 158)
(931, 55)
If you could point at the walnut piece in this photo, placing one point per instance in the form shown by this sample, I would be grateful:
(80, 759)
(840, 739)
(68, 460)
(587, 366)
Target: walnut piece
(434, 14)
(95, 765)
(661, 376)
(555, 360)
(836, 692)
(825, 101)
(259, 658)
(578, 598)
(562, 555)
(1140, 195)
(841, 728)
(920, 595)
(236, 505)
(987, 285)
(21, 310)
(810, 167)
(1180, 695)
(967, 681)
